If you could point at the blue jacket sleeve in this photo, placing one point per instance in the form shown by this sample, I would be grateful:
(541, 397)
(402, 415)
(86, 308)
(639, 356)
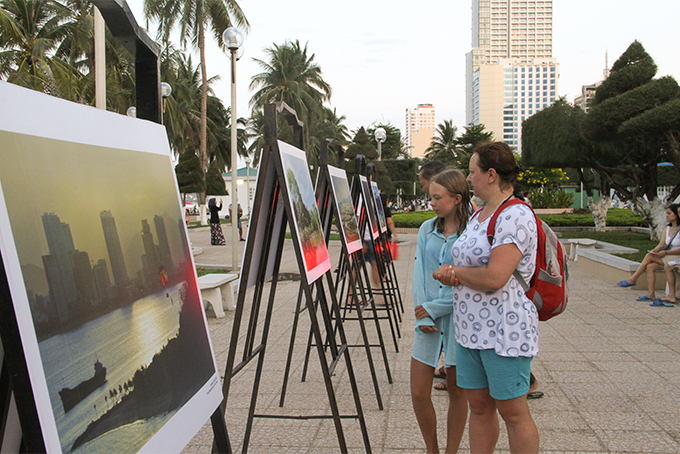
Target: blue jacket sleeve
(440, 306)
(419, 277)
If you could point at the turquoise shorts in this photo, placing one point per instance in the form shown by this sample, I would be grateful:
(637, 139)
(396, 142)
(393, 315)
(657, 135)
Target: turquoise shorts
(506, 378)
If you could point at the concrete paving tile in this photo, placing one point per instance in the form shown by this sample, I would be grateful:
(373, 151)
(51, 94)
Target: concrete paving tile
(565, 365)
(549, 419)
(617, 420)
(638, 441)
(570, 441)
(563, 376)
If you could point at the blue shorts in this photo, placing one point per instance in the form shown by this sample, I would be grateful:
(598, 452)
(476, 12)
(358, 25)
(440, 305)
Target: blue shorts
(238, 223)
(506, 378)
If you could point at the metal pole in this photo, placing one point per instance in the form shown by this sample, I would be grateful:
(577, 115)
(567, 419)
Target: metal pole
(99, 60)
(234, 164)
(379, 150)
(248, 185)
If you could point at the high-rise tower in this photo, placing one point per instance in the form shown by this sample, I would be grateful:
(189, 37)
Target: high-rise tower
(116, 257)
(419, 129)
(59, 265)
(510, 73)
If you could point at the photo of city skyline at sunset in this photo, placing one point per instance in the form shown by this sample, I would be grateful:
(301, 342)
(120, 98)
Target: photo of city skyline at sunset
(108, 274)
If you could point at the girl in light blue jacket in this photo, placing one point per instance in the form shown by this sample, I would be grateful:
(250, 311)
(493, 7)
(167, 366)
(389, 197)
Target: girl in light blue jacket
(433, 304)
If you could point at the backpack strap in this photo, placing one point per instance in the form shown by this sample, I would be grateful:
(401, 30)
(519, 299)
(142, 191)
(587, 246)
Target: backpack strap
(491, 230)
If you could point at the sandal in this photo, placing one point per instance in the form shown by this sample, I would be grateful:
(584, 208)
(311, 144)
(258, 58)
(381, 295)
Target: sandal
(661, 303)
(440, 372)
(535, 395)
(625, 283)
(441, 386)
(644, 298)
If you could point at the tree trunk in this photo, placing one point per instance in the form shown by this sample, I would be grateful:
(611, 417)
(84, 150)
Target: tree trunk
(204, 116)
(599, 211)
(654, 213)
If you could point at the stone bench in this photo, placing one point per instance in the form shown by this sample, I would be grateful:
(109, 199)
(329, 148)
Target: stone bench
(218, 289)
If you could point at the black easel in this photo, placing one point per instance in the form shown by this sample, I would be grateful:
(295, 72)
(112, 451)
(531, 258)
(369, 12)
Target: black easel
(362, 196)
(349, 277)
(388, 274)
(262, 257)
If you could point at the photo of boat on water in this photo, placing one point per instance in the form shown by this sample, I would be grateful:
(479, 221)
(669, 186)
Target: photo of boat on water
(109, 287)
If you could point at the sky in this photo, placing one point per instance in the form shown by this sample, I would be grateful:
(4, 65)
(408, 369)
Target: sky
(381, 57)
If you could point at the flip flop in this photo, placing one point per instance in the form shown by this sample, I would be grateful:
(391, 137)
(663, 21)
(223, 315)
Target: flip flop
(624, 283)
(661, 303)
(645, 298)
(440, 372)
(535, 395)
(440, 386)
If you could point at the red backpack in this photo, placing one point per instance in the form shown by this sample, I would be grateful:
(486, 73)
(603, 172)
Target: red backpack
(547, 288)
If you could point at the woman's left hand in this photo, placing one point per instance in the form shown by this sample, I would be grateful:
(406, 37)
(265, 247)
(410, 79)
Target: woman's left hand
(446, 275)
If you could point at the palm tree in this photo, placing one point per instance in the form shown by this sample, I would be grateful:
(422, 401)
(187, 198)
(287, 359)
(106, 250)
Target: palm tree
(30, 31)
(293, 77)
(193, 17)
(443, 146)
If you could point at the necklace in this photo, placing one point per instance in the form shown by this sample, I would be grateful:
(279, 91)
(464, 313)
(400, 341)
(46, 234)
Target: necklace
(484, 215)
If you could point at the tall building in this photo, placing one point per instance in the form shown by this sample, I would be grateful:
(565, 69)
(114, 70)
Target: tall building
(587, 94)
(113, 247)
(510, 72)
(150, 259)
(59, 265)
(163, 243)
(419, 129)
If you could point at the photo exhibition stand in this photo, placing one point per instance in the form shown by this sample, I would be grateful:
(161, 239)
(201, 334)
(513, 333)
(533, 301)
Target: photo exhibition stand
(351, 277)
(20, 429)
(364, 203)
(272, 214)
(383, 250)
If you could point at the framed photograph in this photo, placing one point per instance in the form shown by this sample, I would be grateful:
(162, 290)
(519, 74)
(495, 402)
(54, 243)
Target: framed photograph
(379, 207)
(368, 198)
(345, 208)
(306, 220)
(101, 277)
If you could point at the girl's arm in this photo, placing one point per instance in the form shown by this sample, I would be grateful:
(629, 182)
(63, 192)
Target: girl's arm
(419, 278)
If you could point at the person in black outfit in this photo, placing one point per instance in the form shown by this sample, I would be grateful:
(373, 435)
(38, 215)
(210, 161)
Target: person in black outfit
(216, 235)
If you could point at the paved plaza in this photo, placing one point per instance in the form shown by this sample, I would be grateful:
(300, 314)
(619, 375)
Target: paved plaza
(609, 367)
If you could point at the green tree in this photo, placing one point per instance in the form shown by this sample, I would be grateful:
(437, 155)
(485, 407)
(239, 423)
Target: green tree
(466, 143)
(444, 144)
(214, 183)
(190, 176)
(393, 147)
(291, 75)
(193, 17)
(553, 138)
(629, 110)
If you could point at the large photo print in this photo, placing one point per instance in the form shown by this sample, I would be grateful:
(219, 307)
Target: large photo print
(306, 220)
(345, 209)
(97, 236)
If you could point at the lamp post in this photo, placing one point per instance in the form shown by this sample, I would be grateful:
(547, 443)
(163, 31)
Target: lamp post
(166, 91)
(233, 39)
(380, 136)
(248, 161)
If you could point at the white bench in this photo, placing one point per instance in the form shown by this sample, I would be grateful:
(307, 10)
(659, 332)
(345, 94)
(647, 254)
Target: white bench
(578, 243)
(218, 290)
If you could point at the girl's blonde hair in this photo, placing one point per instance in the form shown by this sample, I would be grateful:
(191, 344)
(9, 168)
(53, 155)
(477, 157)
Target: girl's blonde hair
(455, 183)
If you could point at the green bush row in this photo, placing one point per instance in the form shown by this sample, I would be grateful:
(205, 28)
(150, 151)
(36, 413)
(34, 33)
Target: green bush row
(615, 217)
(552, 199)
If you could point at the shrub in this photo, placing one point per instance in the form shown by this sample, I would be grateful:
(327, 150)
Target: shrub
(552, 199)
(412, 220)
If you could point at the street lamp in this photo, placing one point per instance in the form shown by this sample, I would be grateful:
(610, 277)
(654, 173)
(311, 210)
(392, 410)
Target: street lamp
(166, 91)
(248, 161)
(131, 112)
(380, 136)
(233, 39)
